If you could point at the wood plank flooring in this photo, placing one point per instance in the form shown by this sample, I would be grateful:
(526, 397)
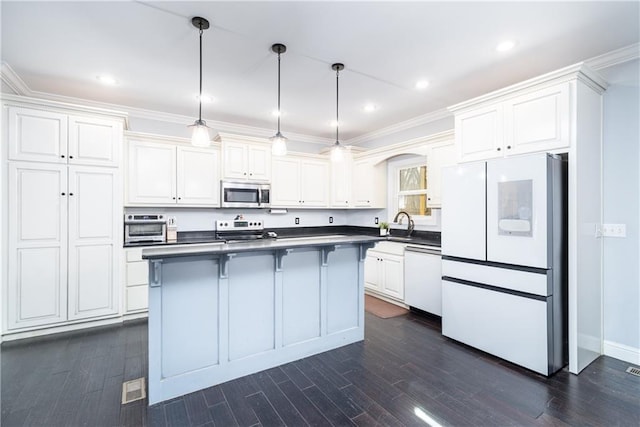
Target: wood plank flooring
(404, 373)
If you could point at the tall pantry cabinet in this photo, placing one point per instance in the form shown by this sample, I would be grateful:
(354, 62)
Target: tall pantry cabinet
(63, 222)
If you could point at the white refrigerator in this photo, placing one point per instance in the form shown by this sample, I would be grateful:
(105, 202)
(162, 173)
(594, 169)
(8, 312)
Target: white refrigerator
(504, 259)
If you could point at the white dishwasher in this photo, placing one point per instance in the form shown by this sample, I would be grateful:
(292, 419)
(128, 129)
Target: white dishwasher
(423, 278)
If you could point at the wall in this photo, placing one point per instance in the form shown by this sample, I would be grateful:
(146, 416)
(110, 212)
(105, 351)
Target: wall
(431, 128)
(621, 195)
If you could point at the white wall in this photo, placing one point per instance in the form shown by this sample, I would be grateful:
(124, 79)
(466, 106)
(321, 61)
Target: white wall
(621, 186)
(411, 133)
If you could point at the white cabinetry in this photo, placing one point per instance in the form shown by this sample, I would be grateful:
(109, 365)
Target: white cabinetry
(369, 186)
(384, 270)
(63, 216)
(245, 158)
(63, 243)
(341, 177)
(163, 173)
(136, 282)
(439, 155)
(525, 122)
(300, 181)
(53, 137)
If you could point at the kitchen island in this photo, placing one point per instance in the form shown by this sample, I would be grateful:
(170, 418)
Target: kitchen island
(221, 311)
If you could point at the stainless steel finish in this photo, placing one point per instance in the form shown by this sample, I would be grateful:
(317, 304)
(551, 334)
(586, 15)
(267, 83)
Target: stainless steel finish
(410, 225)
(150, 228)
(262, 191)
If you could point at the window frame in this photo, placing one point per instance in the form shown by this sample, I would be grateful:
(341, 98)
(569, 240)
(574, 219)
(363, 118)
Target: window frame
(394, 199)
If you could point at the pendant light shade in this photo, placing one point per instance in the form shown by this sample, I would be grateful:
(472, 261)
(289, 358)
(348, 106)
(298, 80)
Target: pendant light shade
(200, 131)
(338, 151)
(278, 141)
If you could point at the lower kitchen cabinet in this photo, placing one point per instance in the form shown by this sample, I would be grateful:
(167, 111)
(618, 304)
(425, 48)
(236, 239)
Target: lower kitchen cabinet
(384, 270)
(136, 282)
(64, 238)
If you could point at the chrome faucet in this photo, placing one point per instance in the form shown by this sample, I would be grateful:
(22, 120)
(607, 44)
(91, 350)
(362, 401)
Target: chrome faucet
(411, 224)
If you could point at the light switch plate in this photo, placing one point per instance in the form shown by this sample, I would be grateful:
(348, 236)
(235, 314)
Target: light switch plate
(614, 230)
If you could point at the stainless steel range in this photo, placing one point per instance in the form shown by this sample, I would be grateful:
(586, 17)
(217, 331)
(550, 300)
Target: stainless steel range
(239, 230)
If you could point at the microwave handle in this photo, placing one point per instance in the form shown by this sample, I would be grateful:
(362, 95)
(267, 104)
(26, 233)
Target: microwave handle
(259, 196)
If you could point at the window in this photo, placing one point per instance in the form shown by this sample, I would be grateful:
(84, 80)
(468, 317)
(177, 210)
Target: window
(411, 190)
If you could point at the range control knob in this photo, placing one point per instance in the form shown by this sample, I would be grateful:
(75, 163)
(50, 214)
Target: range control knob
(130, 216)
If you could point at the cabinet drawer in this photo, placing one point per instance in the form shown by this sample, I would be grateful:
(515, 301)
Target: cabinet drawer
(137, 298)
(137, 273)
(390, 248)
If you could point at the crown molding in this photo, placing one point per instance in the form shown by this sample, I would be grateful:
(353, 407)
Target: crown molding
(398, 127)
(615, 57)
(13, 80)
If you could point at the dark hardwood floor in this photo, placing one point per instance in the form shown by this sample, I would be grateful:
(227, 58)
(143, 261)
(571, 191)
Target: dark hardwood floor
(404, 373)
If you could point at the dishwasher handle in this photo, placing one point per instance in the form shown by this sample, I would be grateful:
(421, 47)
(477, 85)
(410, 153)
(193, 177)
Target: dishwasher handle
(422, 250)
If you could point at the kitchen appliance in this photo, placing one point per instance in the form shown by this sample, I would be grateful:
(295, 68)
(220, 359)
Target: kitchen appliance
(239, 230)
(244, 194)
(145, 228)
(422, 278)
(504, 259)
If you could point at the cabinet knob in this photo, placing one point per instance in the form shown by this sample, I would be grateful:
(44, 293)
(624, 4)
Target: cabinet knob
(428, 198)
(508, 147)
(179, 198)
(71, 194)
(71, 157)
(245, 173)
(64, 194)
(251, 174)
(499, 148)
(173, 198)
(62, 156)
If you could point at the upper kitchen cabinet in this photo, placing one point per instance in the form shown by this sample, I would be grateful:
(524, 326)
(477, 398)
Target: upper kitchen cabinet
(300, 181)
(439, 155)
(245, 158)
(40, 135)
(341, 177)
(534, 116)
(369, 186)
(165, 172)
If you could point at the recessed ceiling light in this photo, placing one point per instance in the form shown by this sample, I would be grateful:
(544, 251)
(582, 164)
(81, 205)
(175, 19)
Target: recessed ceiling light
(206, 99)
(505, 45)
(369, 108)
(107, 80)
(422, 84)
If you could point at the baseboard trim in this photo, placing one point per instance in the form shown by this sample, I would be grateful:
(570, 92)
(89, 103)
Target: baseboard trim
(12, 336)
(622, 352)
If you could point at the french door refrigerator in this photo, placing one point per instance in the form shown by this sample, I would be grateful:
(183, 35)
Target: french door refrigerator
(504, 259)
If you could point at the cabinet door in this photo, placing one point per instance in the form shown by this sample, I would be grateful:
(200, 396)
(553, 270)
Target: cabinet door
(393, 276)
(151, 173)
(285, 185)
(538, 121)
(38, 136)
(372, 267)
(37, 286)
(314, 177)
(94, 141)
(341, 183)
(235, 165)
(479, 134)
(94, 243)
(259, 161)
(438, 156)
(363, 184)
(198, 180)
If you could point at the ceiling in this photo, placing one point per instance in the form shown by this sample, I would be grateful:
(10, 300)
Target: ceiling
(151, 48)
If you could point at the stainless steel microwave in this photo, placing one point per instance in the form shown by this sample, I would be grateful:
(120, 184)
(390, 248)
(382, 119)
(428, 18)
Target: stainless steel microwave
(149, 228)
(245, 194)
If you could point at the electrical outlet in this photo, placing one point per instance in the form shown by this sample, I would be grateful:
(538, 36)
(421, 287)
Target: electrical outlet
(297, 220)
(375, 221)
(330, 220)
(614, 230)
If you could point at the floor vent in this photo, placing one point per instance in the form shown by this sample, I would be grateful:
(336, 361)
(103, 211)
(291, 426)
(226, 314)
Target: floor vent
(633, 371)
(133, 390)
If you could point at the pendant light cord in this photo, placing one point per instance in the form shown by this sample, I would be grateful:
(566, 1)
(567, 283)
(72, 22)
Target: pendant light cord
(279, 112)
(200, 94)
(337, 98)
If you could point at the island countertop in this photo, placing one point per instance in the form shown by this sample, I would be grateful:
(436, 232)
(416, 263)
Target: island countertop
(219, 248)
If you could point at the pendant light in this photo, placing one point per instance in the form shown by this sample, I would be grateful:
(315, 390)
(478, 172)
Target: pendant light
(278, 142)
(337, 152)
(200, 132)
